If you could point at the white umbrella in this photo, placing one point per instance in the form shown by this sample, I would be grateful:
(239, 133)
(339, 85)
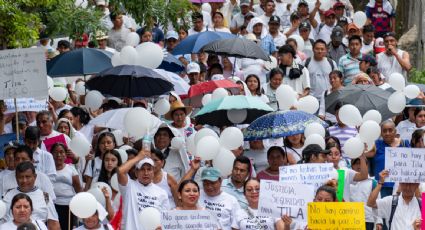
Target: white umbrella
(181, 87)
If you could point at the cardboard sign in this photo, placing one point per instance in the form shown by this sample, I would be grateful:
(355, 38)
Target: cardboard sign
(190, 220)
(23, 73)
(25, 104)
(315, 174)
(336, 215)
(278, 199)
(405, 164)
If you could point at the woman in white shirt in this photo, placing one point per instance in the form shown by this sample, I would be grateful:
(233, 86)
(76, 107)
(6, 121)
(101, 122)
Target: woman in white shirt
(254, 88)
(218, 20)
(294, 145)
(67, 184)
(21, 209)
(276, 78)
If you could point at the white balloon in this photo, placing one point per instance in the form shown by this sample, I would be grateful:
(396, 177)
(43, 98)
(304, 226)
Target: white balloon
(350, 115)
(372, 115)
(370, 145)
(207, 148)
(369, 131)
(161, 107)
(123, 155)
(300, 41)
(80, 88)
(286, 97)
(119, 137)
(206, 99)
(397, 81)
(132, 39)
(177, 143)
(191, 145)
(411, 91)
(150, 55)
(231, 138)
(237, 116)
(129, 55)
(203, 133)
(83, 205)
(219, 93)
(50, 83)
(94, 99)
(137, 122)
(114, 182)
(353, 147)
(315, 139)
(116, 59)
(359, 19)
(58, 93)
(224, 162)
(206, 7)
(326, 5)
(308, 104)
(150, 218)
(314, 128)
(98, 195)
(101, 185)
(3, 209)
(80, 146)
(125, 147)
(396, 102)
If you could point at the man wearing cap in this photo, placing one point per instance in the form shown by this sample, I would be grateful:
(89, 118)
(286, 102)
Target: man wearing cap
(367, 61)
(269, 11)
(339, 8)
(102, 40)
(324, 29)
(171, 40)
(258, 28)
(218, 202)
(313, 153)
(393, 60)
(193, 70)
(295, 23)
(336, 48)
(118, 34)
(352, 29)
(303, 10)
(140, 193)
(239, 19)
(305, 31)
(294, 75)
(279, 38)
(381, 14)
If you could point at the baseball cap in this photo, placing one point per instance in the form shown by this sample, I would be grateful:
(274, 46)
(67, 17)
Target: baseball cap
(211, 174)
(303, 2)
(171, 34)
(313, 149)
(217, 77)
(379, 46)
(337, 34)
(274, 19)
(145, 160)
(352, 26)
(329, 13)
(10, 145)
(389, 34)
(294, 16)
(244, 3)
(342, 21)
(338, 5)
(193, 67)
(249, 14)
(304, 25)
(368, 58)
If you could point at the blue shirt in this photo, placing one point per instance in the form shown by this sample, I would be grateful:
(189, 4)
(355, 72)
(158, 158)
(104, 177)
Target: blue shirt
(229, 188)
(267, 44)
(379, 158)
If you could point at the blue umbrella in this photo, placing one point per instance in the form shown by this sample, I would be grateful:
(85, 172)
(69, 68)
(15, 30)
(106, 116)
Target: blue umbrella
(171, 64)
(194, 43)
(280, 124)
(79, 62)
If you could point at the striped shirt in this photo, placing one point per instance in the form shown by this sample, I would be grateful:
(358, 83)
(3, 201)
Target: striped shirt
(343, 134)
(349, 66)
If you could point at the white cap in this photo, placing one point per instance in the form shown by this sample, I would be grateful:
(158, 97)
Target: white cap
(193, 67)
(145, 160)
(171, 34)
(217, 77)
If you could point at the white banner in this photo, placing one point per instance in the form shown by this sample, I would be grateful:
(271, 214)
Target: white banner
(189, 220)
(315, 174)
(405, 164)
(25, 104)
(23, 73)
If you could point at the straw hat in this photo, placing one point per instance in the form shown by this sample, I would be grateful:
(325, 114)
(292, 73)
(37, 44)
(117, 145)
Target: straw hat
(100, 35)
(175, 106)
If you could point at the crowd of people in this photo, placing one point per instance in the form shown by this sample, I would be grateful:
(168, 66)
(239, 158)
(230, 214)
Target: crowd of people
(42, 174)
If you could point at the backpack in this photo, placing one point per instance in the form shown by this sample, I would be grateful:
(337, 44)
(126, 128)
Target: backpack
(394, 207)
(308, 60)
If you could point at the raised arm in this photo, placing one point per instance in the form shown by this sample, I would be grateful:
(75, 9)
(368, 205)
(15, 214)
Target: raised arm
(371, 202)
(126, 167)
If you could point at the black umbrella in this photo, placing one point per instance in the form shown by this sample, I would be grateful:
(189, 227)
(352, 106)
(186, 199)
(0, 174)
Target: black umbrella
(364, 97)
(236, 47)
(130, 81)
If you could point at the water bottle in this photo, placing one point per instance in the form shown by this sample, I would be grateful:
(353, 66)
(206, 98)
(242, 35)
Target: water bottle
(146, 143)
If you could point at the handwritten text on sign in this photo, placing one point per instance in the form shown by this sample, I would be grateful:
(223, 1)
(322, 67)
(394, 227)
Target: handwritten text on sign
(278, 199)
(336, 215)
(405, 164)
(23, 73)
(314, 174)
(25, 104)
(190, 220)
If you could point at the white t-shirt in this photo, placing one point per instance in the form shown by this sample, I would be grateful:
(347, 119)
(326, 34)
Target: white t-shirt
(324, 32)
(223, 29)
(404, 215)
(63, 185)
(258, 157)
(359, 192)
(164, 185)
(136, 197)
(93, 172)
(319, 76)
(265, 19)
(367, 48)
(405, 129)
(388, 64)
(298, 84)
(248, 219)
(279, 40)
(224, 205)
(12, 226)
(108, 227)
(43, 162)
(296, 153)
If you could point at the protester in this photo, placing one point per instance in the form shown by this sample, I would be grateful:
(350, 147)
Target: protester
(295, 75)
(188, 195)
(233, 185)
(218, 21)
(257, 27)
(349, 64)
(336, 81)
(381, 14)
(238, 19)
(377, 78)
(276, 157)
(336, 47)
(95, 221)
(294, 145)
(118, 34)
(257, 153)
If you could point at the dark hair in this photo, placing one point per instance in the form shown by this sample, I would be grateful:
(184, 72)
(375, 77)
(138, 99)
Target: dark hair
(320, 41)
(24, 166)
(418, 110)
(368, 28)
(335, 139)
(217, 12)
(131, 152)
(63, 112)
(64, 43)
(338, 74)
(287, 49)
(103, 175)
(42, 113)
(32, 133)
(372, 69)
(24, 149)
(158, 154)
(101, 136)
(278, 148)
(167, 130)
(287, 143)
(83, 116)
(332, 145)
(27, 226)
(328, 189)
(291, 40)
(243, 160)
(416, 136)
(258, 89)
(274, 72)
(185, 182)
(214, 66)
(114, 14)
(246, 182)
(18, 197)
(338, 105)
(354, 37)
(57, 144)
(196, 16)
